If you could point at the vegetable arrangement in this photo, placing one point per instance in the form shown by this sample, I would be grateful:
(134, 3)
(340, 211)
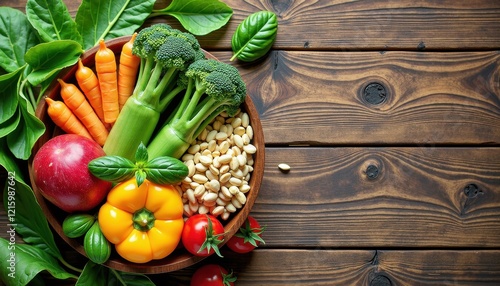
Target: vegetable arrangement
(165, 71)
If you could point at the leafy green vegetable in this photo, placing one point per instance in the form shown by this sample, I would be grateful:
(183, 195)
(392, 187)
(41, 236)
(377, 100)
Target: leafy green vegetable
(107, 19)
(8, 98)
(98, 275)
(160, 170)
(254, 36)
(52, 20)
(199, 17)
(29, 218)
(47, 59)
(29, 261)
(16, 38)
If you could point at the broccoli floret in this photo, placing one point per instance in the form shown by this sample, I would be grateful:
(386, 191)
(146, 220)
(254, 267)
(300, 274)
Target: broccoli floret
(164, 51)
(211, 88)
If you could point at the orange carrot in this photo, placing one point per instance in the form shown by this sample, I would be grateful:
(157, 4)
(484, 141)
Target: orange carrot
(76, 101)
(63, 117)
(105, 64)
(127, 71)
(89, 84)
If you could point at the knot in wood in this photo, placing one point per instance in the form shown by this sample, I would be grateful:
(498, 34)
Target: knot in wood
(375, 93)
(380, 280)
(471, 190)
(372, 172)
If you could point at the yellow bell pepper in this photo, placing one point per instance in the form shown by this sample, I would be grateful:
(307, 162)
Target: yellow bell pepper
(144, 223)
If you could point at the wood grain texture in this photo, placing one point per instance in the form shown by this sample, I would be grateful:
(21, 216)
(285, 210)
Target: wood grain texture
(431, 98)
(360, 25)
(417, 200)
(331, 267)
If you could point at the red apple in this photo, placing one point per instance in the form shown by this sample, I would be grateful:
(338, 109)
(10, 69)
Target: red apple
(62, 176)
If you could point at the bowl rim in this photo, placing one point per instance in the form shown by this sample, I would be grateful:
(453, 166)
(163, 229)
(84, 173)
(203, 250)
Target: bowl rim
(180, 258)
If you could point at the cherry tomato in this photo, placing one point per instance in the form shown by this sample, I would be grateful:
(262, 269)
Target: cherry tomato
(247, 238)
(212, 275)
(202, 235)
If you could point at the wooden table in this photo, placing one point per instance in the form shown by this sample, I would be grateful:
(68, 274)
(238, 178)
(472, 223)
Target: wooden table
(388, 113)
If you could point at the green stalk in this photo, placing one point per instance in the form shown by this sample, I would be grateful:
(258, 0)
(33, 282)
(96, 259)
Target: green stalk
(167, 143)
(135, 124)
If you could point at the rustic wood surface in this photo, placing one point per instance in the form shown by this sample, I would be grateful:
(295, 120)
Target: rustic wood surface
(399, 186)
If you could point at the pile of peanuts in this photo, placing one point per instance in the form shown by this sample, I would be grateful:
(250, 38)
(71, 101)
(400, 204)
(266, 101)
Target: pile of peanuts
(220, 164)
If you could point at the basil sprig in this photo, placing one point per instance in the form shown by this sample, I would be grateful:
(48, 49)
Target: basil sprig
(162, 170)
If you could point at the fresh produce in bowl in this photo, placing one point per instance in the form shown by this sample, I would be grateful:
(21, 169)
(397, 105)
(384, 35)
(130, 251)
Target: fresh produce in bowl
(135, 125)
(61, 175)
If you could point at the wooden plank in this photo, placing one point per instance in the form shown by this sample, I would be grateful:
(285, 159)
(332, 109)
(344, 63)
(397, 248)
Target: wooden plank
(355, 267)
(416, 200)
(420, 198)
(430, 98)
(361, 25)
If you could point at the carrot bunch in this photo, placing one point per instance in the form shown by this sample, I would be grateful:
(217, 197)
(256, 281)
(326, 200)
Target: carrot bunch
(90, 107)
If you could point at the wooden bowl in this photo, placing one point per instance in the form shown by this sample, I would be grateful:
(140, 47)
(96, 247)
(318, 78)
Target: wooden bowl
(180, 258)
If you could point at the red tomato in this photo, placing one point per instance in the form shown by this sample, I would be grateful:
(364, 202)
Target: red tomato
(212, 275)
(247, 238)
(202, 235)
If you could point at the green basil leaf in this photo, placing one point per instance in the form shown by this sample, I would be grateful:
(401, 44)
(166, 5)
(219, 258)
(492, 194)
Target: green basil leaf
(112, 168)
(140, 176)
(52, 20)
(141, 155)
(254, 36)
(46, 59)
(27, 217)
(28, 262)
(9, 95)
(16, 38)
(165, 170)
(30, 128)
(107, 19)
(199, 17)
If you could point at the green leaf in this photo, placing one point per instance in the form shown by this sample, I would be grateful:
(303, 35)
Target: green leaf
(140, 176)
(9, 96)
(16, 37)
(29, 261)
(141, 155)
(28, 217)
(46, 59)
(107, 19)
(112, 168)
(52, 20)
(165, 170)
(199, 17)
(98, 275)
(11, 124)
(30, 128)
(254, 36)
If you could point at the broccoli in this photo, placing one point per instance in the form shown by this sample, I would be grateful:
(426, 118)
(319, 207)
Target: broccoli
(211, 87)
(165, 52)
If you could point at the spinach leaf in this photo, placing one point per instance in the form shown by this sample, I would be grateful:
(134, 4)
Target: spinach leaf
(46, 59)
(11, 124)
(30, 128)
(254, 36)
(8, 97)
(199, 17)
(52, 20)
(29, 219)
(28, 262)
(98, 275)
(16, 37)
(106, 19)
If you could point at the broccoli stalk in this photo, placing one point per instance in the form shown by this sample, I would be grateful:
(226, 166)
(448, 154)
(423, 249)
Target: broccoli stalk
(164, 52)
(211, 88)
